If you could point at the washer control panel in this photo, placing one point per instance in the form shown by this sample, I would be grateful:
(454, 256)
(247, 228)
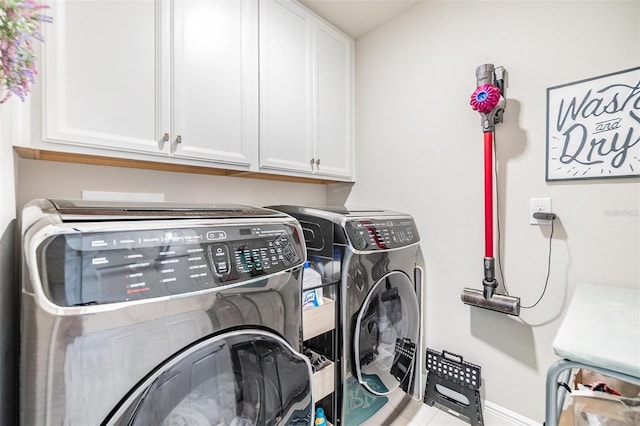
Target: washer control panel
(381, 234)
(105, 267)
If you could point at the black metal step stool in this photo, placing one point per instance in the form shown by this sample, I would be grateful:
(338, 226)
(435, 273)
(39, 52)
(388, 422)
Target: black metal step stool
(448, 372)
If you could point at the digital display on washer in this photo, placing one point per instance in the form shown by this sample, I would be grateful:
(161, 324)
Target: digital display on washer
(107, 267)
(381, 234)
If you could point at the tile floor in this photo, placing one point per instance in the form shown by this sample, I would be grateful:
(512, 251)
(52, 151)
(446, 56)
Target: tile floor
(404, 411)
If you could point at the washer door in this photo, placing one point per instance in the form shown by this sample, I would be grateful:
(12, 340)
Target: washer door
(386, 334)
(238, 378)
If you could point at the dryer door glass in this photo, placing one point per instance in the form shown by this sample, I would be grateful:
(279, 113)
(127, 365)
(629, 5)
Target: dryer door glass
(386, 334)
(238, 378)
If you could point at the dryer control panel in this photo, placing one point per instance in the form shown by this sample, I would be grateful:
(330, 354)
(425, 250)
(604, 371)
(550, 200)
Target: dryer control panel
(115, 266)
(381, 234)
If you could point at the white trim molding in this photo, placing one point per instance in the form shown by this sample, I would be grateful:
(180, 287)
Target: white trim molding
(507, 417)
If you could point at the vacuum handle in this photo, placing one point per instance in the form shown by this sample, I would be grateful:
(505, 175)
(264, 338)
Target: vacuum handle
(488, 194)
(452, 357)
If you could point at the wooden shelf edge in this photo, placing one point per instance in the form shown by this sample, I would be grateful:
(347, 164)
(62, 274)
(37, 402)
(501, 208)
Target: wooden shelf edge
(285, 178)
(319, 319)
(98, 160)
(323, 381)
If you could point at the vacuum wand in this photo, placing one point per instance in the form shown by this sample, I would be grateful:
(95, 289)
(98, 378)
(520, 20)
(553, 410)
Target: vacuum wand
(488, 100)
(489, 282)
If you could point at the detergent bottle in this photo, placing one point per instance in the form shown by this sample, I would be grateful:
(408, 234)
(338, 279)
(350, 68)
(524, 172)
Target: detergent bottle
(311, 278)
(321, 420)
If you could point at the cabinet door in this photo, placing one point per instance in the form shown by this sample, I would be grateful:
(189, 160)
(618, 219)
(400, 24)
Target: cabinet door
(333, 102)
(285, 86)
(103, 81)
(215, 80)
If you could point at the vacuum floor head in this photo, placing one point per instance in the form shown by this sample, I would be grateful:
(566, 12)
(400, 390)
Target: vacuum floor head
(497, 302)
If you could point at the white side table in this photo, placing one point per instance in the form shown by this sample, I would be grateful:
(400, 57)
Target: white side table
(601, 333)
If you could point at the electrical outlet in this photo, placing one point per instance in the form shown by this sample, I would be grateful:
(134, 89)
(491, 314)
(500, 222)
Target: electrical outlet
(539, 205)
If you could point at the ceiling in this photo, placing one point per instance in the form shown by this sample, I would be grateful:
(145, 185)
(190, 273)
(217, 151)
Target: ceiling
(358, 17)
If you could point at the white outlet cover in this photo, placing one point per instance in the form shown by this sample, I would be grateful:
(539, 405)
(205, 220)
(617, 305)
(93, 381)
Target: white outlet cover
(539, 205)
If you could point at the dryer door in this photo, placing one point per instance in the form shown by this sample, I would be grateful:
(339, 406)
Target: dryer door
(237, 378)
(386, 334)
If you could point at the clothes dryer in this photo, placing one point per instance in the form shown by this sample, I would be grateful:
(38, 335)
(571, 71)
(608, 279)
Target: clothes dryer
(161, 314)
(377, 258)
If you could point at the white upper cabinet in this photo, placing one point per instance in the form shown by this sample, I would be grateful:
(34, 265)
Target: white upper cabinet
(306, 74)
(286, 88)
(333, 102)
(215, 89)
(103, 77)
(250, 85)
(167, 78)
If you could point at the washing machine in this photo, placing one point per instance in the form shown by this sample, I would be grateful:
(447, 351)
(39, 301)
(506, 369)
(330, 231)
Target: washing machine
(376, 256)
(161, 314)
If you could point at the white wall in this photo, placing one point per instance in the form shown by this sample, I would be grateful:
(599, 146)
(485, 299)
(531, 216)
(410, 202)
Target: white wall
(419, 149)
(46, 179)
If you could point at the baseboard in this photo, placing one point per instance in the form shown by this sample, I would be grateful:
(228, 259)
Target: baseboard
(506, 417)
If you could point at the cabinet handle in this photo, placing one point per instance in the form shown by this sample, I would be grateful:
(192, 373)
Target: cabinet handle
(162, 141)
(318, 165)
(174, 145)
(313, 160)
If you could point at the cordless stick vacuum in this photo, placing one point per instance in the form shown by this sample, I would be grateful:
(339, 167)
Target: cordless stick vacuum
(488, 100)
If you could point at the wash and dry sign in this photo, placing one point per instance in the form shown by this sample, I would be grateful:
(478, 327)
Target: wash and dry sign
(593, 127)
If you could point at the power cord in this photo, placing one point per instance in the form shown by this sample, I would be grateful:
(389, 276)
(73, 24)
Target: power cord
(549, 216)
(495, 173)
(546, 281)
